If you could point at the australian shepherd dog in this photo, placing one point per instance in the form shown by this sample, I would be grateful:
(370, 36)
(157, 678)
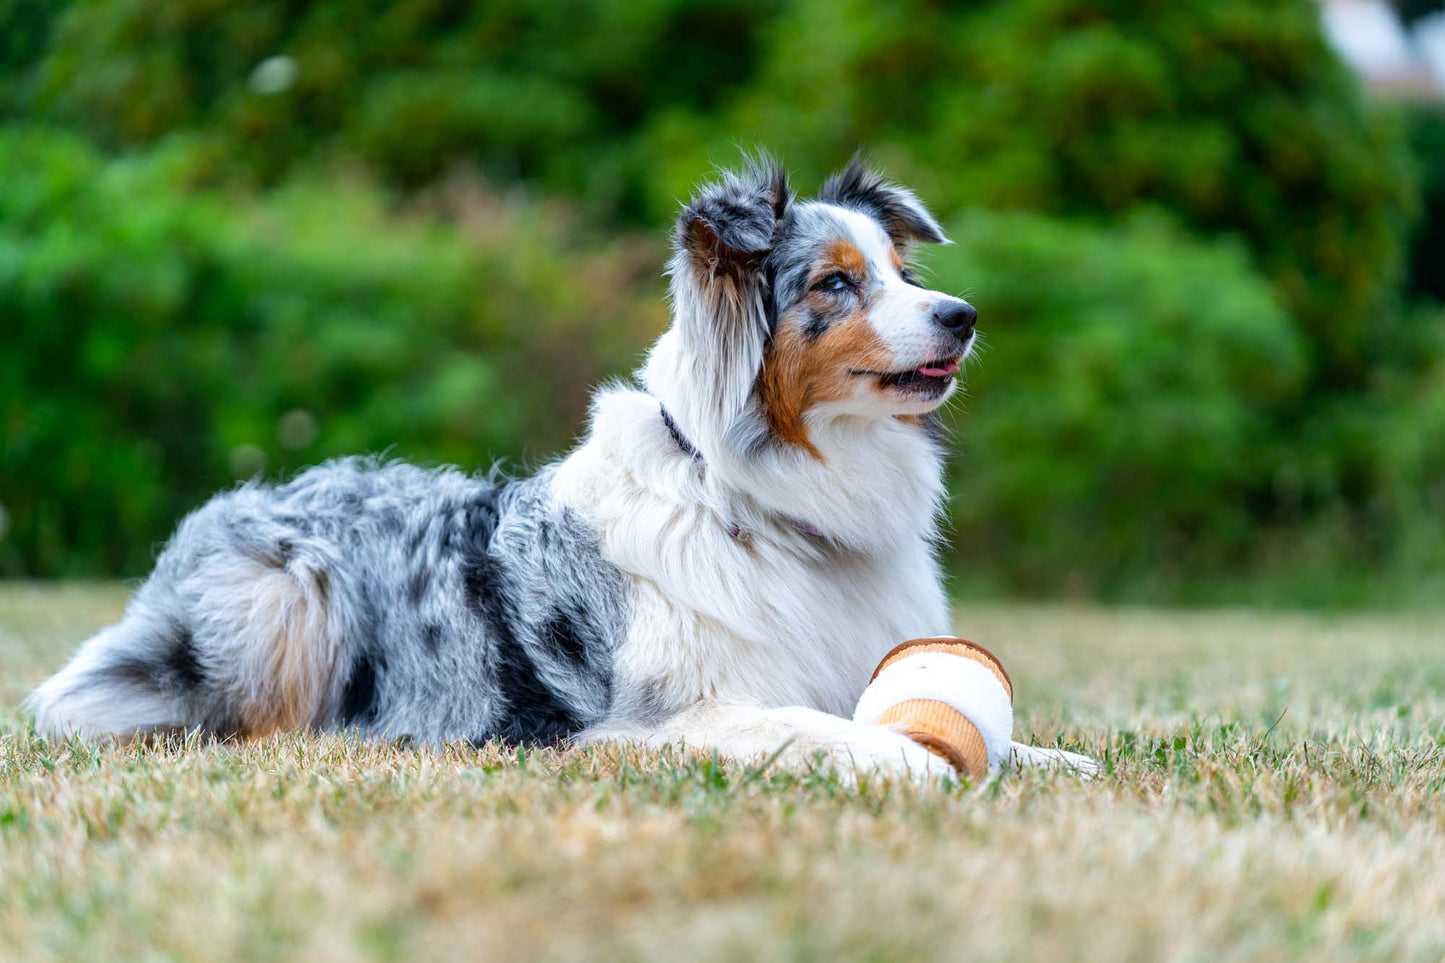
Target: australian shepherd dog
(740, 536)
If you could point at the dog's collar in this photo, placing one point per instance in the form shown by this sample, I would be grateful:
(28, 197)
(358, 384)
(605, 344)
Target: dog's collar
(690, 450)
(687, 447)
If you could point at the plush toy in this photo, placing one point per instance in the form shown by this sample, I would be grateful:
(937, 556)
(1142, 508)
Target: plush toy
(949, 695)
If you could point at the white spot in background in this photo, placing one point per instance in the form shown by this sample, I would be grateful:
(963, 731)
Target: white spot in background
(274, 75)
(1370, 37)
(247, 461)
(297, 429)
(1430, 38)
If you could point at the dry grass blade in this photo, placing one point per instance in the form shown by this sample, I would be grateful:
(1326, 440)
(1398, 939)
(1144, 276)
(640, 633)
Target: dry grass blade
(1273, 790)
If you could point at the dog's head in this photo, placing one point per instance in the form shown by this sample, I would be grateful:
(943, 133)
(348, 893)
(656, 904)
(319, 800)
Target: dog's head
(800, 310)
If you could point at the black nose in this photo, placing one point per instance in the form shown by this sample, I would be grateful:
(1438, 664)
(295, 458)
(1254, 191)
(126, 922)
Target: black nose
(956, 316)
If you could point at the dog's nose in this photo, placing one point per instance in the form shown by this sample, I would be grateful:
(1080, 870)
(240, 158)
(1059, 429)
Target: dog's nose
(956, 316)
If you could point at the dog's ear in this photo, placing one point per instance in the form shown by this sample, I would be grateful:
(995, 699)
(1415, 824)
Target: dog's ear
(898, 209)
(727, 227)
(720, 292)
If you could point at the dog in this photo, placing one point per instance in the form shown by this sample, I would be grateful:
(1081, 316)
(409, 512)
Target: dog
(742, 533)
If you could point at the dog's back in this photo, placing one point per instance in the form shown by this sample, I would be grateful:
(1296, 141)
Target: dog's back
(430, 604)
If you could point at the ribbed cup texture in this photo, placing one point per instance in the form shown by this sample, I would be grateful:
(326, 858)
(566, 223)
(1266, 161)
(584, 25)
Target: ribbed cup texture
(943, 731)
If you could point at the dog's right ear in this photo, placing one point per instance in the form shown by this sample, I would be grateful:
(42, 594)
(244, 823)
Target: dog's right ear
(898, 209)
(719, 291)
(727, 228)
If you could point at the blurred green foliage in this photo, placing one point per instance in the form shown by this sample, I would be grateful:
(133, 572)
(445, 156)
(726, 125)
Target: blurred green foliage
(1132, 429)
(162, 343)
(1130, 419)
(1212, 349)
(552, 93)
(1425, 124)
(1230, 113)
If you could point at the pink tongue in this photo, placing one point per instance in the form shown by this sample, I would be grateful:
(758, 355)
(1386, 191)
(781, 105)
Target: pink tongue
(939, 372)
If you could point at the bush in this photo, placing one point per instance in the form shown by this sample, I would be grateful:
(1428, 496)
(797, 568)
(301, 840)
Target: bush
(549, 92)
(1426, 126)
(1123, 433)
(161, 344)
(1119, 428)
(1233, 114)
(1222, 374)
(1362, 489)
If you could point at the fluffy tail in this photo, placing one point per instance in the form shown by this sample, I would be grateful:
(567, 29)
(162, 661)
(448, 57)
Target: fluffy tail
(253, 650)
(127, 679)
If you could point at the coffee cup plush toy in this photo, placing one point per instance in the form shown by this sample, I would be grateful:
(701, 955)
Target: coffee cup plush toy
(951, 696)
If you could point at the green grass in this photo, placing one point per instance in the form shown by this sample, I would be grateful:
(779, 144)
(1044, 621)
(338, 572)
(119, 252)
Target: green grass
(1274, 789)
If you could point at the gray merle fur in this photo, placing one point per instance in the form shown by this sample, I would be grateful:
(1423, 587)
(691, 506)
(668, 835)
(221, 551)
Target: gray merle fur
(468, 608)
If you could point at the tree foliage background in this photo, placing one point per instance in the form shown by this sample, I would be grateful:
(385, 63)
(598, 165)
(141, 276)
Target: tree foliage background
(240, 237)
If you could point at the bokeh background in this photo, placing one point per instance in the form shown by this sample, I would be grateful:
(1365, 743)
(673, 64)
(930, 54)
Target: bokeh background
(1207, 242)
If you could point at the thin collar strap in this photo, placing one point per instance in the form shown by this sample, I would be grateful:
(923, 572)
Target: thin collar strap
(677, 435)
(687, 449)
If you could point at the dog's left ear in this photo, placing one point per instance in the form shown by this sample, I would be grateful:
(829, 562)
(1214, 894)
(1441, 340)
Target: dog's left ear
(898, 209)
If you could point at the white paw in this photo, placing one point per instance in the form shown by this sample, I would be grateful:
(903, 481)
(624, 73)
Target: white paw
(881, 751)
(1037, 757)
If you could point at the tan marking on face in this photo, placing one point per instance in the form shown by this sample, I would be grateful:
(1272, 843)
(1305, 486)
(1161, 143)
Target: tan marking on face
(897, 259)
(843, 256)
(800, 372)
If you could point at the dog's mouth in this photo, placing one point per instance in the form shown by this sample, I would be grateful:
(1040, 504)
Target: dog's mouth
(929, 378)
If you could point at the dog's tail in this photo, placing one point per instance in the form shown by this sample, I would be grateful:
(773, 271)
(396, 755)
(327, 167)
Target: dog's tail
(129, 678)
(253, 651)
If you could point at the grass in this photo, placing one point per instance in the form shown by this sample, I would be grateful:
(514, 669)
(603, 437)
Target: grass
(1275, 789)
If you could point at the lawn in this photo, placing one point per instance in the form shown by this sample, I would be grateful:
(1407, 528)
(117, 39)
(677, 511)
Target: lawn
(1274, 788)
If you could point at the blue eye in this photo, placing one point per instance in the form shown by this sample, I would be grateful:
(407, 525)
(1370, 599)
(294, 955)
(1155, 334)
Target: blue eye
(836, 283)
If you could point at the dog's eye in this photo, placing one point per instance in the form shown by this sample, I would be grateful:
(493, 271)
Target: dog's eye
(835, 283)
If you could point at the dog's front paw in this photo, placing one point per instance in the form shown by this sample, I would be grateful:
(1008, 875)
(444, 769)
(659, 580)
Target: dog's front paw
(1038, 757)
(878, 750)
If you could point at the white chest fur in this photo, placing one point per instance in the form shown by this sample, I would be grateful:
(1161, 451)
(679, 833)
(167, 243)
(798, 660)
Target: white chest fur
(769, 616)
